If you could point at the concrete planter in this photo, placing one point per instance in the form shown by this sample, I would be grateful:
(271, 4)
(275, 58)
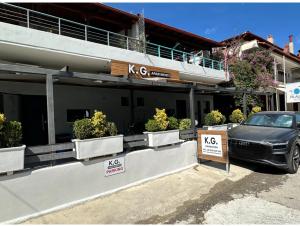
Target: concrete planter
(95, 147)
(162, 138)
(12, 159)
(221, 127)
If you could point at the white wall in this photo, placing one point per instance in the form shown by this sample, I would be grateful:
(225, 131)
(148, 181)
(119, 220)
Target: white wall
(34, 192)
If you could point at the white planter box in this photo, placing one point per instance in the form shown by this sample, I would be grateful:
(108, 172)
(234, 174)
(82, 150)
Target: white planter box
(12, 159)
(161, 138)
(95, 147)
(221, 127)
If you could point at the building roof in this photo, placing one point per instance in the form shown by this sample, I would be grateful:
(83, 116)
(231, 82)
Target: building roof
(250, 36)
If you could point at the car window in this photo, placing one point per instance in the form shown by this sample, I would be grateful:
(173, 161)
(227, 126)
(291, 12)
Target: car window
(298, 120)
(270, 120)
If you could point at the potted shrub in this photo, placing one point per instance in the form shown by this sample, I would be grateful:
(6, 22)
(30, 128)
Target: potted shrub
(11, 151)
(185, 124)
(162, 130)
(254, 110)
(236, 118)
(96, 137)
(215, 120)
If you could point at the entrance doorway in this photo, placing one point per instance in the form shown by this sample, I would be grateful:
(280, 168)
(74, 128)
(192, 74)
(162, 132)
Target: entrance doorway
(181, 109)
(34, 120)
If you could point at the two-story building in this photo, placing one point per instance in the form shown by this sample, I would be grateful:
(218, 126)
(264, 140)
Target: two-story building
(59, 62)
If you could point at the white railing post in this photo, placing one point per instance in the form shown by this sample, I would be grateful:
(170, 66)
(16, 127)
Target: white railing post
(59, 27)
(108, 38)
(212, 64)
(85, 32)
(28, 18)
(172, 54)
(127, 43)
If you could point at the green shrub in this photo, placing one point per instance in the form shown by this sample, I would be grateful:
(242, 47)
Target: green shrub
(99, 124)
(214, 118)
(83, 129)
(111, 129)
(161, 118)
(254, 110)
(173, 123)
(185, 123)
(237, 116)
(152, 126)
(12, 134)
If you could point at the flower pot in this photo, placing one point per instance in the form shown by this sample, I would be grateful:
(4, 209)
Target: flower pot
(95, 147)
(161, 138)
(12, 159)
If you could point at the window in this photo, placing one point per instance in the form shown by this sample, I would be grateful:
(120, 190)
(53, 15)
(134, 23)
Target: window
(75, 114)
(124, 101)
(140, 102)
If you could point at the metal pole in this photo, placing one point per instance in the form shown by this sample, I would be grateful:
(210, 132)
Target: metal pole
(50, 109)
(276, 95)
(284, 81)
(108, 38)
(85, 32)
(267, 103)
(245, 105)
(28, 18)
(192, 109)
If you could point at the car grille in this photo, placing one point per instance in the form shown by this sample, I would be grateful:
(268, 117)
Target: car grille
(248, 149)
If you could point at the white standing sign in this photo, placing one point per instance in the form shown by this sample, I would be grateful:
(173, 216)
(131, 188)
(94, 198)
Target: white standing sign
(292, 92)
(114, 166)
(211, 145)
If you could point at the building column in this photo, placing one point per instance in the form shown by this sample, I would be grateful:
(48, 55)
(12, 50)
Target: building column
(272, 102)
(192, 108)
(50, 109)
(267, 103)
(284, 77)
(131, 107)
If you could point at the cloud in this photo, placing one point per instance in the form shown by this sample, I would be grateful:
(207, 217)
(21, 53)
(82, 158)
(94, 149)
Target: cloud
(210, 30)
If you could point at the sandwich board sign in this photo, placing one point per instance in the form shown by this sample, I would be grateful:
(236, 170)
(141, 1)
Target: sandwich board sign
(213, 145)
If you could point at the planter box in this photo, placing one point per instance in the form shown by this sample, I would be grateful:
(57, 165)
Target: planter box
(162, 138)
(221, 127)
(95, 147)
(12, 159)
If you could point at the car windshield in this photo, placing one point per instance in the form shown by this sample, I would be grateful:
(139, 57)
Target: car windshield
(270, 120)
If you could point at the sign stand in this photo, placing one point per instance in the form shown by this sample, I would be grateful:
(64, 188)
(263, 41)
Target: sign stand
(213, 145)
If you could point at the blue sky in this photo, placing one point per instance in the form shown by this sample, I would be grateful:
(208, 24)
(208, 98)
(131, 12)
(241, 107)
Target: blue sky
(219, 21)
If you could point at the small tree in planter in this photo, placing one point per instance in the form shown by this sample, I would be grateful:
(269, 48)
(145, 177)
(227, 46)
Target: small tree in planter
(96, 137)
(11, 151)
(157, 129)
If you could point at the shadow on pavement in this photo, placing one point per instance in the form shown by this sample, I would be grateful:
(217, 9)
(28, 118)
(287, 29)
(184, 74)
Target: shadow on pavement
(258, 168)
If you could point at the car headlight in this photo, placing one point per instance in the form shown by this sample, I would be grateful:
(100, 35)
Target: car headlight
(280, 145)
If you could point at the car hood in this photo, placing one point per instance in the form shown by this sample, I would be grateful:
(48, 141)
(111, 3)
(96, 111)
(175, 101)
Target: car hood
(261, 134)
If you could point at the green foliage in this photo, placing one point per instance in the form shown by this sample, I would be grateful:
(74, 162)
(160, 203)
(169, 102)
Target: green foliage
(95, 127)
(254, 110)
(152, 126)
(83, 129)
(214, 118)
(12, 134)
(161, 118)
(111, 129)
(173, 123)
(185, 123)
(237, 116)
(99, 124)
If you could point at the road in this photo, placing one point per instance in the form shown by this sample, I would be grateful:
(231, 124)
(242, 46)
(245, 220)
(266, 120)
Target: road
(249, 194)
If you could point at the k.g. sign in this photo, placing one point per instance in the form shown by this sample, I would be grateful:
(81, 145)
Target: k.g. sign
(212, 145)
(114, 166)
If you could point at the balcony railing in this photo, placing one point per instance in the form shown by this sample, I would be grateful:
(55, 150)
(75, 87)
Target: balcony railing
(36, 20)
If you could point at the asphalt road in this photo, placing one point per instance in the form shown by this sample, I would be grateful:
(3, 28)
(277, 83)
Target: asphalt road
(250, 194)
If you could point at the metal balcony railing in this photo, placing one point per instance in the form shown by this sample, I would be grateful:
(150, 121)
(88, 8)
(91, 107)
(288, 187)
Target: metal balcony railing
(36, 20)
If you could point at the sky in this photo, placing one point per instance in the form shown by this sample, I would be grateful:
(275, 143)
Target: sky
(219, 21)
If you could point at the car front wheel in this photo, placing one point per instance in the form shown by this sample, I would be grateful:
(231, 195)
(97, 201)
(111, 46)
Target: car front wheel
(293, 162)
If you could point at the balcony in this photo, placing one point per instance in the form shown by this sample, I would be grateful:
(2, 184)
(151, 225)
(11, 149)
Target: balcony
(15, 15)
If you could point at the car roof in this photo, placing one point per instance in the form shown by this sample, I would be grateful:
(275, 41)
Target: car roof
(278, 112)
